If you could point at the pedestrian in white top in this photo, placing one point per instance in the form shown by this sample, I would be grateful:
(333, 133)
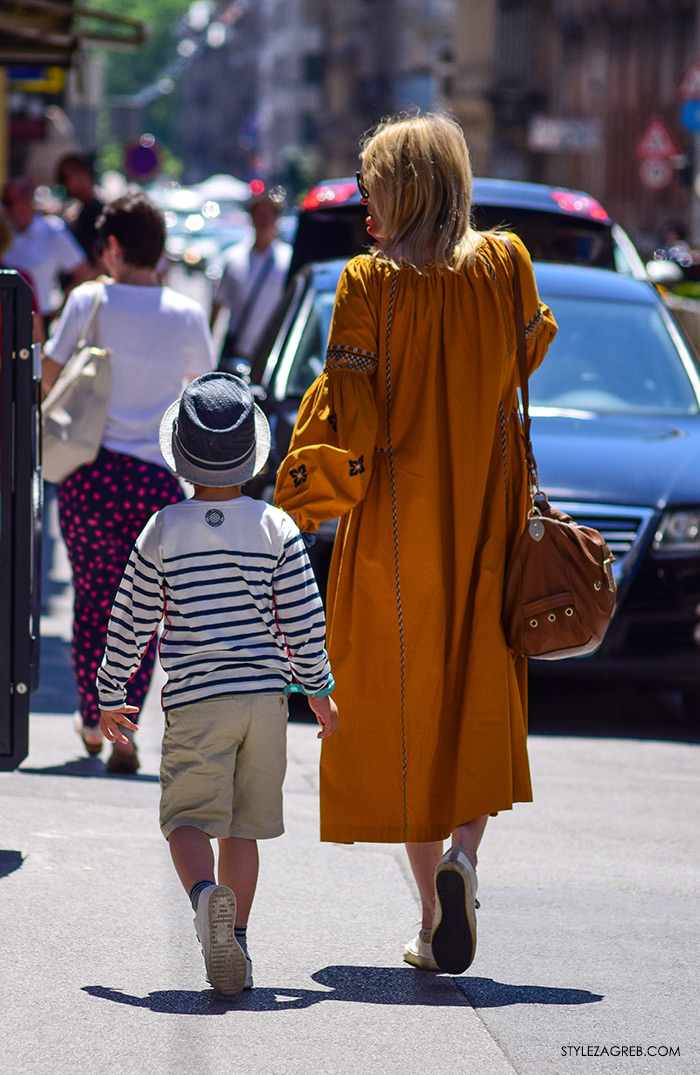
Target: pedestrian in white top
(158, 340)
(43, 247)
(243, 621)
(252, 282)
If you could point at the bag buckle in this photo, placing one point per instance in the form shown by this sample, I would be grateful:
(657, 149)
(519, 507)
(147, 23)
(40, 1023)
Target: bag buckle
(607, 568)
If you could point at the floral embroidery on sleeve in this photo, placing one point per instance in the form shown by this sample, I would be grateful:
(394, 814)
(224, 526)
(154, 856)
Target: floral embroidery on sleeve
(357, 466)
(298, 475)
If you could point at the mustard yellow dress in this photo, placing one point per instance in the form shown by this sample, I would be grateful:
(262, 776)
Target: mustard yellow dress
(410, 437)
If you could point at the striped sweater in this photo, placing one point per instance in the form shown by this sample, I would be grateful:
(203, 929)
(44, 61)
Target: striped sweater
(242, 614)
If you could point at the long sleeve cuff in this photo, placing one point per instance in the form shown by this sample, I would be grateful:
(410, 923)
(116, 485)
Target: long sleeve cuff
(296, 688)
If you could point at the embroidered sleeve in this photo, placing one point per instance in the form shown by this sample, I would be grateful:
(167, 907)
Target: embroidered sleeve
(534, 324)
(350, 358)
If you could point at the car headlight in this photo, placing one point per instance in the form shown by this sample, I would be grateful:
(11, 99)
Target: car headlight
(678, 533)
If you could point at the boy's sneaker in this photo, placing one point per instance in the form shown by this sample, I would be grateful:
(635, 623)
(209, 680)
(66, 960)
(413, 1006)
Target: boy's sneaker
(454, 922)
(224, 959)
(248, 974)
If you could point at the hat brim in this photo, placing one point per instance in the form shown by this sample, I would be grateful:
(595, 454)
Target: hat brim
(202, 476)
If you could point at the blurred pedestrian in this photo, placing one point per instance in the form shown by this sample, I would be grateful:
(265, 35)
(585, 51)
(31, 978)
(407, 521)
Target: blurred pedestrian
(158, 340)
(6, 237)
(252, 282)
(235, 635)
(75, 174)
(43, 247)
(411, 436)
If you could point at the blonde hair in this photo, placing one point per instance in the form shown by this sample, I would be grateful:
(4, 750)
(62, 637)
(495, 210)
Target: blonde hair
(417, 169)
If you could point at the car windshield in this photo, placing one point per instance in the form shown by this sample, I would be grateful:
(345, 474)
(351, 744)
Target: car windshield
(609, 357)
(612, 357)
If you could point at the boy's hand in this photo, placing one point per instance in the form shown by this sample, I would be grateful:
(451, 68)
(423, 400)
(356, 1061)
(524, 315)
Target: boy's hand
(110, 719)
(326, 714)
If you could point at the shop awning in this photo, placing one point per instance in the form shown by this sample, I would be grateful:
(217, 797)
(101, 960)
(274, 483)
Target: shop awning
(49, 32)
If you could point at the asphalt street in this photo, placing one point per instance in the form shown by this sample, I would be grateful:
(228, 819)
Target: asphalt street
(589, 926)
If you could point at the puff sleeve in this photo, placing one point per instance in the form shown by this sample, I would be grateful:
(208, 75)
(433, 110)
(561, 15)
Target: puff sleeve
(329, 464)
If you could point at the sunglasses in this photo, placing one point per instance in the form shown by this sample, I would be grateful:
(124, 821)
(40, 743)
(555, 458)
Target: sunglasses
(364, 193)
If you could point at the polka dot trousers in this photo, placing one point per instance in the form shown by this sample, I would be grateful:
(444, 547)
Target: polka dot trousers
(103, 508)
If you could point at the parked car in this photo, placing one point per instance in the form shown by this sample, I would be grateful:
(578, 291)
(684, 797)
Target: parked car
(556, 224)
(616, 431)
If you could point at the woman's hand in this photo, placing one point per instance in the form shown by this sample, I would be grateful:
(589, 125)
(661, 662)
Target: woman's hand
(111, 719)
(326, 714)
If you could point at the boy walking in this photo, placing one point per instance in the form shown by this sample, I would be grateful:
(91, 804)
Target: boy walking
(231, 578)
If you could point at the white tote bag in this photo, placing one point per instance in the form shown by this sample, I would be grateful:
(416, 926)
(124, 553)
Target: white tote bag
(75, 410)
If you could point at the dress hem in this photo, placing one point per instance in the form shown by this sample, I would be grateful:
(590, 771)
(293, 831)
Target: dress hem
(349, 834)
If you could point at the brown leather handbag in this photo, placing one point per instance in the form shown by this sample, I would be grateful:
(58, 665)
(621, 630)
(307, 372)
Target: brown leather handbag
(559, 593)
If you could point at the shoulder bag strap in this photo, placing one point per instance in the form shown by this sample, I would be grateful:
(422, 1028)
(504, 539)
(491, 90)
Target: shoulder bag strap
(253, 293)
(78, 360)
(521, 346)
(92, 316)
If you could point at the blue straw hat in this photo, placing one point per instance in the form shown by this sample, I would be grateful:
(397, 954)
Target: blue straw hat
(215, 434)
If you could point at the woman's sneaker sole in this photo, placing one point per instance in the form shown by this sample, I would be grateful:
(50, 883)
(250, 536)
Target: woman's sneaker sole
(454, 932)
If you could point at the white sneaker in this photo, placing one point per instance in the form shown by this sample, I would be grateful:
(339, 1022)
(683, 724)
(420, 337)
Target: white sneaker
(454, 922)
(224, 959)
(419, 952)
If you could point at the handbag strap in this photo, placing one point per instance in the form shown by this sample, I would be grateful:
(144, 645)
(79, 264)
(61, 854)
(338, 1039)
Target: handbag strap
(92, 316)
(253, 294)
(521, 347)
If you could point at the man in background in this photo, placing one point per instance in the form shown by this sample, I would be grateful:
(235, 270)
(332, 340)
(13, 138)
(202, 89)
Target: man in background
(75, 174)
(252, 282)
(43, 247)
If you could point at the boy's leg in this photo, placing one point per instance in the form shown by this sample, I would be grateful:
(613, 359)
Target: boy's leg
(238, 869)
(192, 856)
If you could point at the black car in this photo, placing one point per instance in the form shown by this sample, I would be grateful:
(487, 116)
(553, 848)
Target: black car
(616, 431)
(556, 224)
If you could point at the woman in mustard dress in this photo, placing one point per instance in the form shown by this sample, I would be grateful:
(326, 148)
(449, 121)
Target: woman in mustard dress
(411, 437)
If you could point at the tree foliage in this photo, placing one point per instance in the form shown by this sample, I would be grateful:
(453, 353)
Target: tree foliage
(129, 73)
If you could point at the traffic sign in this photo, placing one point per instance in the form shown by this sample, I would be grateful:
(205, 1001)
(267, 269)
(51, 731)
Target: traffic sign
(142, 159)
(656, 173)
(688, 88)
(690, 115)
(657, 142)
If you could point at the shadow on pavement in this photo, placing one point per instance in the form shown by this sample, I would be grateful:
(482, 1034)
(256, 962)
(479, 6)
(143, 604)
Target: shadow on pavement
(10, 861)
(355, 985)
(90, 768)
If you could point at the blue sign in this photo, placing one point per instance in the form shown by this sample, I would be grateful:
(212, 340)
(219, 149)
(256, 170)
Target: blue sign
(690, 115)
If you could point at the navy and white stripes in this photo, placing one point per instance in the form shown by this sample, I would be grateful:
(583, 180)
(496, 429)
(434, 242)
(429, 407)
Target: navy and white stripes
(241, 609)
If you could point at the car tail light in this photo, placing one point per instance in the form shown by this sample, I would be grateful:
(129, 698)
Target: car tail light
(573, 202)
(329, 193)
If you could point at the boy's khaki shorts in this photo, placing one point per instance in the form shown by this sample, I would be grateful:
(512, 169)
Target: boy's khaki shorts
(223, 766)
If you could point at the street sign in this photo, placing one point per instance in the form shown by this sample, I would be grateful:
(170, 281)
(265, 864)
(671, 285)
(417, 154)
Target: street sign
(657, 142)
(555, 134)
(656, 173)
(688, 88)
(50, 80)
(142, 159)
(690, 115)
